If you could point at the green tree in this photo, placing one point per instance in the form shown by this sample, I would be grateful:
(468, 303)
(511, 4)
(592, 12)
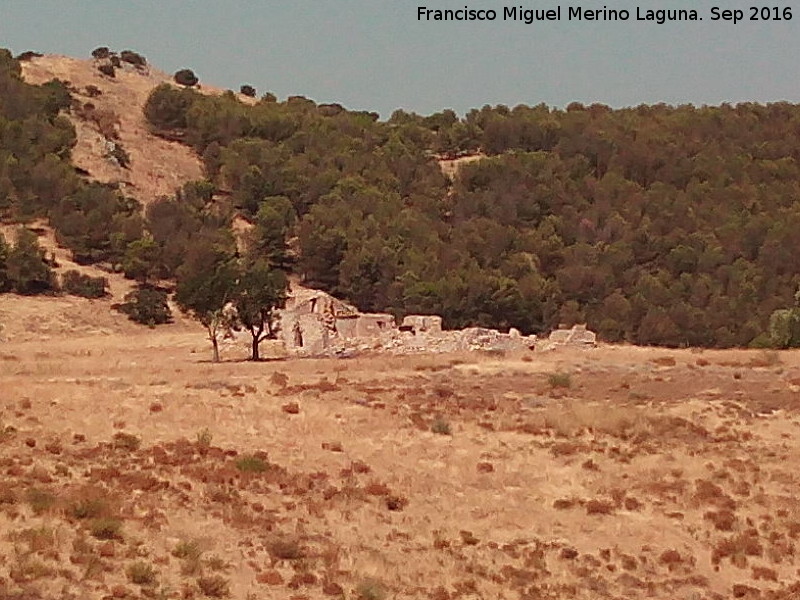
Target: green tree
(27, 269)
(142, 260)
(5, 279)
(272, 225)
(260, 292)
(186, 77)
(206, 284)
(146, 305)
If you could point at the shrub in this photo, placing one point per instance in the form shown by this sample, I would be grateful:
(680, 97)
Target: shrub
(146, 305)
(85, 286)
(286, 549)
(371, 589)
(784, 328)
(186, 77)
(187, 550)
(40, 500)
(115, 61)
(26, 267)
(28, 55)
(88, 506)
(106, 529)
(248, 90)
(133, 58)
(441, 427)
(214, 586)
(251, 464)
(107, 70)
(166, 107)
(190, 553)
(101, 53)
(126, 441)
(204, 438)
(559, 380)
(93, 91)
(141, 573)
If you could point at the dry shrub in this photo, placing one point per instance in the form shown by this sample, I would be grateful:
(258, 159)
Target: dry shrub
(443, 391)
(441, 427)
(286, 548)
(38, 539)
(671, 558)
(599, 507)
(560, 380)
(568, 419)
(567, 448)
(723, 520)
(214, 586)
(765, 573)
(7, 495)
(140, 573)
(664, 361)
(737, 548)
(707, 492)
(126, 441)
(106, 529)
(190, 553)
(371, 589)
(251, 464)
(40, 501)
(89, 503)
(766, 358)
(279, 379)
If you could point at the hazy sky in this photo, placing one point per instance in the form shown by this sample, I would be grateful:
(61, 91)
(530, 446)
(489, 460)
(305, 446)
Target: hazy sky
(376, 55)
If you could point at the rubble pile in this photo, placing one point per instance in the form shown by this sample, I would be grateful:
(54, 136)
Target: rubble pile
(314, 323)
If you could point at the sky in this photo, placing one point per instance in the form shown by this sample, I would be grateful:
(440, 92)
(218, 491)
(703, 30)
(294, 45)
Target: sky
(376, 55)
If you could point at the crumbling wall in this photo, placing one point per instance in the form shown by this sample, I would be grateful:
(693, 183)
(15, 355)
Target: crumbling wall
(317, 324)
(373, 325)
(422, 324)
(577, 336)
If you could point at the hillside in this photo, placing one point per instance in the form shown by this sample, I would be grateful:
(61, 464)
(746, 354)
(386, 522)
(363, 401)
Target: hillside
(656, 225)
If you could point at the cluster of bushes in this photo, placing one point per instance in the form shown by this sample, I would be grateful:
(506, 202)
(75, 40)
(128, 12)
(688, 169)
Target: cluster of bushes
(109, 61)
(25, 269)
(86, 286)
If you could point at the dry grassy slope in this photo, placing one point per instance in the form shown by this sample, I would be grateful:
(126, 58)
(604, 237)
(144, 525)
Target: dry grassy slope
(450, 167)
(157, 167)
(655, 474)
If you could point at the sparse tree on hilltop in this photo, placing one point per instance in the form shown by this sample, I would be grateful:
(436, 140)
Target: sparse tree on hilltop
(101, 53)
(186, 77)
(248, 90)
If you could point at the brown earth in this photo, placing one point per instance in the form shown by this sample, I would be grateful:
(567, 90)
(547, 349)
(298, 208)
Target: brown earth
(616, 472)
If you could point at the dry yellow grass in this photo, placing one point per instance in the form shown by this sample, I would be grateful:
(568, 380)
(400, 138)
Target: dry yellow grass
(529, 478)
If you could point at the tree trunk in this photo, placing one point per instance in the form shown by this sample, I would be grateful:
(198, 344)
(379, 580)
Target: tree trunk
(215, 345)
(256, 342)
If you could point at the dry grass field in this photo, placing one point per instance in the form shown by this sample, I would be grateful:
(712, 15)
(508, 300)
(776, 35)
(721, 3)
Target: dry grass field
(130, 467)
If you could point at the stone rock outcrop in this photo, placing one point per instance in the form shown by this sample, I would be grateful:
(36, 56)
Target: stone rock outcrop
(577, 336)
